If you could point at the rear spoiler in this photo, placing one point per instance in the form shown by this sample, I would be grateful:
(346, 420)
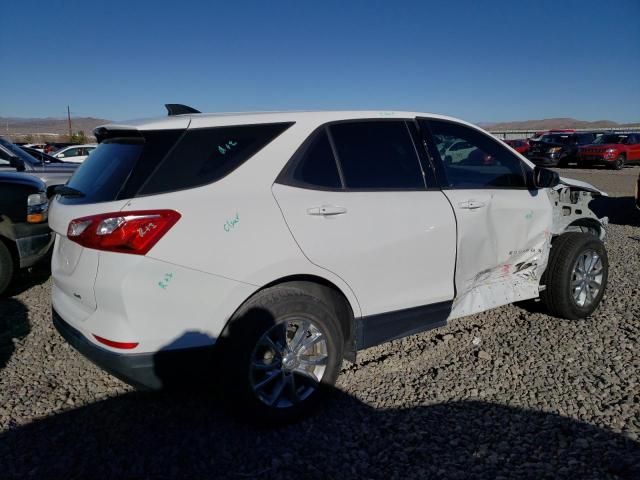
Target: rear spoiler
(179, 109)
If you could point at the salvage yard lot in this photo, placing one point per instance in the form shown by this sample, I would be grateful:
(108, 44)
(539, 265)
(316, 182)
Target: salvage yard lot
(511, 393)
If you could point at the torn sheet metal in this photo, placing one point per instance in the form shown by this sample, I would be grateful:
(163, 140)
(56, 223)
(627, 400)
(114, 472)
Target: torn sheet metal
(579, 185)
(516, 279)
(571, 211)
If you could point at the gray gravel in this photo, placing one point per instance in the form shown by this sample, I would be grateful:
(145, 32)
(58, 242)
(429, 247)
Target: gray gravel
(510, 393)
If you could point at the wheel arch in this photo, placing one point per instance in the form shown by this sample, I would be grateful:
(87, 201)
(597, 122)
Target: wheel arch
(586, 225)
(327, 290)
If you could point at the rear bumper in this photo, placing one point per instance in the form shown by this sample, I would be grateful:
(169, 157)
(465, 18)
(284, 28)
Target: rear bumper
(595, 160)
(137, 369)
(175, 368)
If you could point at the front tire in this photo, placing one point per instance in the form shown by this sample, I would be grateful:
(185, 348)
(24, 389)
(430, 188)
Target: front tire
(619, 163)
(576, 276)
(281, 351)
(6, 267)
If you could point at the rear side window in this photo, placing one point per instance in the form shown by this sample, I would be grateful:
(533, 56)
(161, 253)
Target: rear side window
(317, 167)
(377, 155)
(162, 161)
(205, 155)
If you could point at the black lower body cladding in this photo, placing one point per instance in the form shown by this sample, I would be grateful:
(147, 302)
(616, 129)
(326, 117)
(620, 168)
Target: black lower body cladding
(145, 371)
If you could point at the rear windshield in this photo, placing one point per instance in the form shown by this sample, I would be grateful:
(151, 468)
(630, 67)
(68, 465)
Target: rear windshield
(166, 160)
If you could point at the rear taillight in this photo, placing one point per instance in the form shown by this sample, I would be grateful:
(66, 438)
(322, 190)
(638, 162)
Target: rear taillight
(125, 232)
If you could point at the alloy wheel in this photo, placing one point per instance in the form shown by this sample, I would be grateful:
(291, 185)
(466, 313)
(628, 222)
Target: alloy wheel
(586, 278)
(288, 363)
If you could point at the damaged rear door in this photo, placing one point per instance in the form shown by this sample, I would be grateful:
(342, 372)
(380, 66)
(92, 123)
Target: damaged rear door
(504, 228)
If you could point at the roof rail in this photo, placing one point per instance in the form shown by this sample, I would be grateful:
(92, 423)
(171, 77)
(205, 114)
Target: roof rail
(179, 109)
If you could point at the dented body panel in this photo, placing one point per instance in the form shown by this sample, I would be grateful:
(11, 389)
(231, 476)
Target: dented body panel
(515, 273)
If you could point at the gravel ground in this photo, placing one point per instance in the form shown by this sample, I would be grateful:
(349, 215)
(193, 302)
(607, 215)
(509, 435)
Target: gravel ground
(510, 393)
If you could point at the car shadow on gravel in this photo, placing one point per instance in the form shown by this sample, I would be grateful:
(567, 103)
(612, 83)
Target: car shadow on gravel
(27, 278)
(620, 210)
(14, 324)
(144, 435)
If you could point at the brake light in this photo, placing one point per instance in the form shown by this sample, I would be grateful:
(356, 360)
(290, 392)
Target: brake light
(124, 232)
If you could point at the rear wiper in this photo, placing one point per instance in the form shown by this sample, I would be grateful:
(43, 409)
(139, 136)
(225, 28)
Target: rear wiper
(67, 191)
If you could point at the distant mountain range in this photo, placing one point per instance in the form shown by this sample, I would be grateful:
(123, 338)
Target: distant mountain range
(550, 123)
(12, 127)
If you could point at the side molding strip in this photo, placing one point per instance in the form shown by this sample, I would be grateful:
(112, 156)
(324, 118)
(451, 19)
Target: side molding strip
(376, 329)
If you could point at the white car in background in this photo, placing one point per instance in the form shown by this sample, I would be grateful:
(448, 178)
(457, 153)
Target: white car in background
(259, 250)
(75, 153)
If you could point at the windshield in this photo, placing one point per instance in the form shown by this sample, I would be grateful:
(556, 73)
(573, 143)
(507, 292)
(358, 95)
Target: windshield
(18, 152)
(610, 138)
(563, 139)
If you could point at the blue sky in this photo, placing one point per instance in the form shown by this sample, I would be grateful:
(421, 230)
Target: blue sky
(478, 60)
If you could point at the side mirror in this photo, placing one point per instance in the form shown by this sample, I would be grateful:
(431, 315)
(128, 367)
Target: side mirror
(545, 178)
(60, 155)
(17, 163)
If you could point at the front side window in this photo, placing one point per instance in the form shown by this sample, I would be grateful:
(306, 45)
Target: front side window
(482, 163)
(377, 155)
(72, 152)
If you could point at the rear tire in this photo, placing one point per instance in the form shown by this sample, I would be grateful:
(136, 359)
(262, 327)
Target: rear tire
(6, 267)
(270, 376)
(578, 263)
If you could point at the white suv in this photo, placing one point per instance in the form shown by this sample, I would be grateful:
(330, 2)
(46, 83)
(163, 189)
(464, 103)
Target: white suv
(75, 153)
(293, 240)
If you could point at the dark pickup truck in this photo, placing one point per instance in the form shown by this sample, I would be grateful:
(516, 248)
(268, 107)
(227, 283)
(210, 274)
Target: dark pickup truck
(558, 149)
(25, 237)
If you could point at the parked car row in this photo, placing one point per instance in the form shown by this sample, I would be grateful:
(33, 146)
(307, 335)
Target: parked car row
(559, 148)
(52, 171)
(70, 152)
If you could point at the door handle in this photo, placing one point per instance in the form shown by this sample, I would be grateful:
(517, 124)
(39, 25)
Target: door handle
(471, 205)
(326, 210)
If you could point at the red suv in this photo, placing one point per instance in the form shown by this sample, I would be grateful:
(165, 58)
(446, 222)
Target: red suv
(611, 149)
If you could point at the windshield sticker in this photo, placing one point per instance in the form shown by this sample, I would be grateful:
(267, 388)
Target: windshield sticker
(223, 149)
(164, 283)
(230, 224)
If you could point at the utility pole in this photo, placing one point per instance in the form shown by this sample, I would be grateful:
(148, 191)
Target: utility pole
(69, 119)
